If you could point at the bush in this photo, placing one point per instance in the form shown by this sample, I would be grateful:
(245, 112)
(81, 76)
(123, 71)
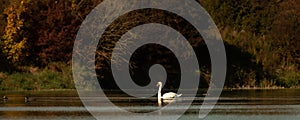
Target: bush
(289, 79)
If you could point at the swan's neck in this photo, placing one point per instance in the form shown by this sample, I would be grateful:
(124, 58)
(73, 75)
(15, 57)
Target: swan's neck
(159, 96)
(159, 92)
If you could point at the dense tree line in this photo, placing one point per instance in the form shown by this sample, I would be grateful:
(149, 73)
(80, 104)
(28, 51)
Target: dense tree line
(266, 29)
(261, 36)
(43, 31)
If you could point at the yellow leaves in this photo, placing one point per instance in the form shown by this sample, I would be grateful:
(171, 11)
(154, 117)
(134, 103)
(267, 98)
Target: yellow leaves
(14, 44)
(14, 50)
(20, 24)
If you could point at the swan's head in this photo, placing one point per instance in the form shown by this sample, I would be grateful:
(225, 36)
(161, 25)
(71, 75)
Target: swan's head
(159, 84)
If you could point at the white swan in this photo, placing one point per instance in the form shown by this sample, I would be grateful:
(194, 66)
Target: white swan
(167, 97)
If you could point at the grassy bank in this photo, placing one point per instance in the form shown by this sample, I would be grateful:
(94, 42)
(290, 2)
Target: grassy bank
(58, 76)
(54, 76)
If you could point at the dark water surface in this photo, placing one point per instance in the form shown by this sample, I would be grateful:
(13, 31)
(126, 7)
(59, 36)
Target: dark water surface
(275, 104)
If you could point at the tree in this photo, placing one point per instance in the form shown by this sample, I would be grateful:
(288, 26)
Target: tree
(15, 40)
(58, 24)
(285, 32)
(3, 5)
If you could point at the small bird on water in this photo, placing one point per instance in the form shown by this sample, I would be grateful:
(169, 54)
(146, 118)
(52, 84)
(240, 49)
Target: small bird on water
(4, 97)
(27, 99)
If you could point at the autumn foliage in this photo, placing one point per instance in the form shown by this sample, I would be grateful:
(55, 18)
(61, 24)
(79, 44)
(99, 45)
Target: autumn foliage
(261, 36)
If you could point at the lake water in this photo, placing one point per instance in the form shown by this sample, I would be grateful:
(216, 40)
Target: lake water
(233, 104)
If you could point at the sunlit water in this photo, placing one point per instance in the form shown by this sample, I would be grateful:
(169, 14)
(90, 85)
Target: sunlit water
(233, 104)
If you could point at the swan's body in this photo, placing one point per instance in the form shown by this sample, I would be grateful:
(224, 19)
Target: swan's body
(167, 97)
(170, 95)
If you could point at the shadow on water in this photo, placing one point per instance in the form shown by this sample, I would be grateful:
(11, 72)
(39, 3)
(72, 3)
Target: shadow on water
(67, 104)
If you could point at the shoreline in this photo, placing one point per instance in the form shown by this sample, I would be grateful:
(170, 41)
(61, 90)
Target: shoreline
(261, 88)
(253, 88)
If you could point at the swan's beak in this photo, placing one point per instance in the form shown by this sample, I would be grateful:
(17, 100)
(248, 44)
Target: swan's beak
(157, 85)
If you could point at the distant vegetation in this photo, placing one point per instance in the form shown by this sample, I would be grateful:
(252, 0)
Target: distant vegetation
(267, 30)
(36, 41)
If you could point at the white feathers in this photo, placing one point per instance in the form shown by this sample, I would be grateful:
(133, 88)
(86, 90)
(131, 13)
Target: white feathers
(167, 97)
(170, 95)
